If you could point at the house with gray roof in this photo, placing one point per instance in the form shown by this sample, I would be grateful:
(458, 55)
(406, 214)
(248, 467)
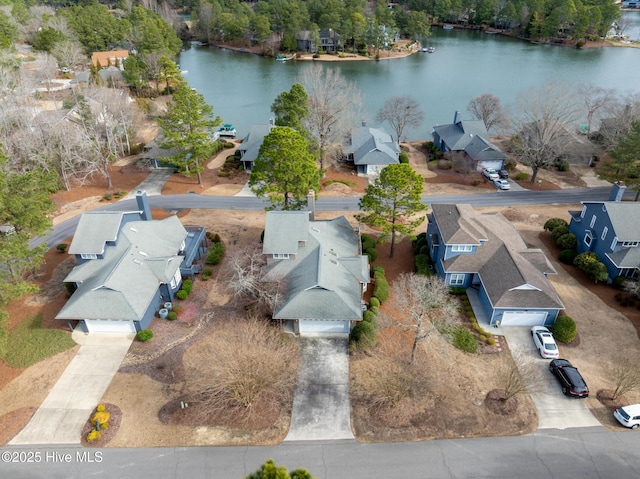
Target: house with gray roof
(484, 253)
(128, 266)
(250, 146)
(370, 150)
(469, 137)
(322, 268)
(611, 229)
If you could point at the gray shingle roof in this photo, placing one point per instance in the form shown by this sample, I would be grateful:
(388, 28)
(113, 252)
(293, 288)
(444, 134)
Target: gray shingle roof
(324, 278)
(512, 274)
(625, 218)
(123, 283)
(284, 230)
(372, 146)
(454, 226)
(250, 146)
(94, 230)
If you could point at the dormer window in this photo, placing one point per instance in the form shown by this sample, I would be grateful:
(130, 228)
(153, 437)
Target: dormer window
(89, 256)
(630, 244)
(280, 256)
(462, 248)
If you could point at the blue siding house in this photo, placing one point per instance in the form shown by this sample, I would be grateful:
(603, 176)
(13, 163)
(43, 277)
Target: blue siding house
(611, 229)
(128, 266)
(484, 254)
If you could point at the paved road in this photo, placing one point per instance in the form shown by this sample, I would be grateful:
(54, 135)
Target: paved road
(497, 198)
(574, 453)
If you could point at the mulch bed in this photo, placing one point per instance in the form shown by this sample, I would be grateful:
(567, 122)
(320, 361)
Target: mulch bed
(115, 419)
(13, 422)
(496, 404)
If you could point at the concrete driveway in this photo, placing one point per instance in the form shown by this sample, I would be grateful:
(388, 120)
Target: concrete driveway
(64, 412)
(321, 407)
(555, 410)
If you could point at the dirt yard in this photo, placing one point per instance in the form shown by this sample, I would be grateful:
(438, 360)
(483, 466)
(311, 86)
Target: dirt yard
(452, 401)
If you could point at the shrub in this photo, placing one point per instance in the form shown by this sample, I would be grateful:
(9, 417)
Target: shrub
(370, 317)
(464, 340)
(93, 435)
(457, 290)
(552, 223)
(583, 260)
(62, 247)
(374, 303)
(403, 157)
(215, 253)
(363, 335)
(372, 253)
(564, 329)
(222, 173)
(618, 282)
(563, 165)
(567, 241)
(187, 285)
(100, 417)
(182, 294)
(374, 309)
(559, 231)
(381, 290)
(521, 176)
(597, 272)
(144, 335)
(567, 256)
(491, 341)
(444, 164)
(206, 274)
(422, 264)
(377, 270)
(364, 237)
(172, 316)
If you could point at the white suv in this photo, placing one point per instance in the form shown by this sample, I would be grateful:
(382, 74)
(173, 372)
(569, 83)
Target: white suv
(490, 174)
(628, 416)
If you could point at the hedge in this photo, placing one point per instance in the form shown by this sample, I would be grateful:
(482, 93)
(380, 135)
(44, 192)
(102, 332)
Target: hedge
(363, 335)
(567, 256)
(215, 253)
(372, 253)
(567, 241)
(559, 231)
(463, 339)
(584, 260)
(564, 329)
(422, 264)
(552, 223)
(374, 303)
(381, 290)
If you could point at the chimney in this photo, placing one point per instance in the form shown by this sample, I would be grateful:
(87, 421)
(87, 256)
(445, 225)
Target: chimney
(617, 191)
(311, 204)
(272, 122)
(143, 205)
(364, 123)
(456, 117)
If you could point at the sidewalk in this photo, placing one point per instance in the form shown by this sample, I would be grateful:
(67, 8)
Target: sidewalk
(63, 414)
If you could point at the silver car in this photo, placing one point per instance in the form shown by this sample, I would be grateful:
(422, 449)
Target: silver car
(545, 344)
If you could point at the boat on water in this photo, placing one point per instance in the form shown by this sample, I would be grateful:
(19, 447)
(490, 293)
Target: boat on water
(428, 49)
(447, 27)
(282, 58)
(227, 130)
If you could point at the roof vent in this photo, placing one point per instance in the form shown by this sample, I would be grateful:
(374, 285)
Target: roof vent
(137, 262)
(142, 253)
(133, 229)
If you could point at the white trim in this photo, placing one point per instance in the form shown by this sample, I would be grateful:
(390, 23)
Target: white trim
(457, 279)
(280, 256)
(604, 233)
(461, 248)
(614, 243)
(89, 256)
(593, 221)
(588, 235)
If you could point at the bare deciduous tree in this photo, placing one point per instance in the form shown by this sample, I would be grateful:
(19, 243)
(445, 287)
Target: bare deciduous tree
(401, 111)
(69, 53)
(334, 106)
(246, 279)
(625, 373)
(487, 108)
(594, 99)
(620, 114)
(547, 117)
(517, 377)
(422, 303)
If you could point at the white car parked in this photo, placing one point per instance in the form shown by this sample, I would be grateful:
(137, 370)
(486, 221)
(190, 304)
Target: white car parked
(502, 184)
(490, 174)
(544, 342)
(628, 416)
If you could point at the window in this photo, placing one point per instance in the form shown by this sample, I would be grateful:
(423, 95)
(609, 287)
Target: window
(175, 281)
(280, 255)
(582, 213)
(614, 243)
(604, 233)
(456, 279)
(89, 256)
(630, 244)
(460, 248)
(593, 221)
(588, 238)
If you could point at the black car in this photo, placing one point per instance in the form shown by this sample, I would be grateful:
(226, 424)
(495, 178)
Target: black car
(503, 174)
(570, 379)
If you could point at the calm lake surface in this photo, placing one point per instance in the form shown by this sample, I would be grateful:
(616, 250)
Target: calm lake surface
(241, 87)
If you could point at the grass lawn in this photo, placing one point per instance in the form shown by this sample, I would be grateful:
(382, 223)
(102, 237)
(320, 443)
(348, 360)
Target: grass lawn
(29, 343)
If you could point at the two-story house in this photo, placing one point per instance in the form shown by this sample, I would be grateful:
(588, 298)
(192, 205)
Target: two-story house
(485, 254)
(611, 229)
(322, 269)
(128, 266)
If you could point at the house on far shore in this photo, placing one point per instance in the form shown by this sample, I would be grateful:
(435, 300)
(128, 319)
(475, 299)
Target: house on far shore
(250, 146)
(128, 266)
(506, 281)
(370, 150)
(611, 229)
(469, 137)
(114, 58)
(322, 268)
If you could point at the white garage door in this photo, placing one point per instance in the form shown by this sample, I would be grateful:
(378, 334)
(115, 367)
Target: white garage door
(495, 164)
(109, 326)
(523, 318)
(323, 326)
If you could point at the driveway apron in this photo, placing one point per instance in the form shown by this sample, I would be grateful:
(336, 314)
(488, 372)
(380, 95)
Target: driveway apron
(321, 407)
(555, 410)
(63, 414)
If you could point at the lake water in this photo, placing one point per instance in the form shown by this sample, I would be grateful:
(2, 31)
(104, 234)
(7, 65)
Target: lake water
(241, 87)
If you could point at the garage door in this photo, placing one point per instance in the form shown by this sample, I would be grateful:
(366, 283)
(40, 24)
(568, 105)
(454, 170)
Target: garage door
(323, 326)
(109, 326)
(495, 164)
(523, 318)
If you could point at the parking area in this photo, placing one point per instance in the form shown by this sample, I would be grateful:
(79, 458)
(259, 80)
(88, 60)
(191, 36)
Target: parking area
(555, 411)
